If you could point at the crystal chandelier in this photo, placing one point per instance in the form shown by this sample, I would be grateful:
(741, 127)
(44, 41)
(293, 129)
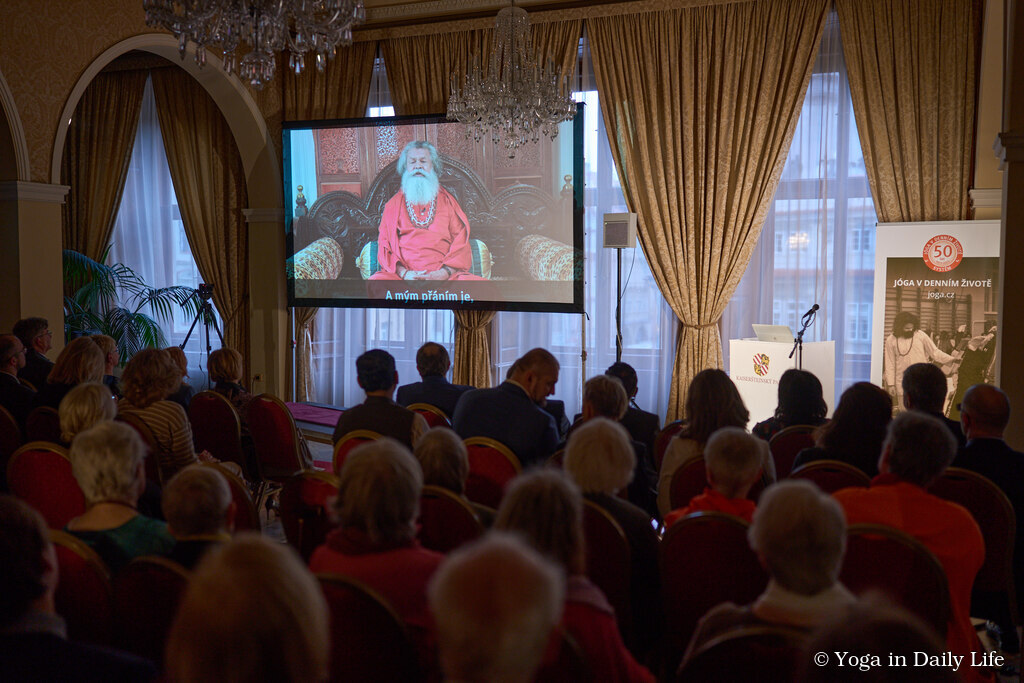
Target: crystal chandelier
(517, 100)
(265, 26)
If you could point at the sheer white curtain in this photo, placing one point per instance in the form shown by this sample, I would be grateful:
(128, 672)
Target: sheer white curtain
(817, 245)
(149, 235)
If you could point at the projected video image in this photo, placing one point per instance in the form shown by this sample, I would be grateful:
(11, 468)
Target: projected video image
(410, 213)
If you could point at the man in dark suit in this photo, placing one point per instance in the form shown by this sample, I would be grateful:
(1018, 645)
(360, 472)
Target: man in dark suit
(33, 640)
(641, 425)
(376, 374)
(14, 396)
(432, 362)
(924, 389)
(510, 412)
(35, 334)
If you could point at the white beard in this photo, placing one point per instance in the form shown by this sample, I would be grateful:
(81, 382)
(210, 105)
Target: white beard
(420, 189)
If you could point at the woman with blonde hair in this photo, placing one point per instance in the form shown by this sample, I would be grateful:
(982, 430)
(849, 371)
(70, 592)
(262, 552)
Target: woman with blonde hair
(183, 394)
(79, 361)
(85, 405)
(111, 357)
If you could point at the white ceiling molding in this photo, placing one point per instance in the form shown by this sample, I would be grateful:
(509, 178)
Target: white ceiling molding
(23, 191)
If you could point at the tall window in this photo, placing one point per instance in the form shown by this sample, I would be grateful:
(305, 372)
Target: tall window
(817, 244)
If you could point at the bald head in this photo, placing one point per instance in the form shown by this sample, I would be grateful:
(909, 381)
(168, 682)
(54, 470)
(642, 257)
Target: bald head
(984, 412)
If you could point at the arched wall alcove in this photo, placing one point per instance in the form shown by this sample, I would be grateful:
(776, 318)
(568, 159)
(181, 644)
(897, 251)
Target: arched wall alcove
(14, 163)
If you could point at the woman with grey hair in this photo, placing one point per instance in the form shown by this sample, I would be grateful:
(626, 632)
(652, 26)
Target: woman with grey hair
(445, 462)
(799, 535)
(107, 462)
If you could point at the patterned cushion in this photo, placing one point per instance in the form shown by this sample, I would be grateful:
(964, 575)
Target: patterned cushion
(482, 259)
(321, 260)
(543, 258)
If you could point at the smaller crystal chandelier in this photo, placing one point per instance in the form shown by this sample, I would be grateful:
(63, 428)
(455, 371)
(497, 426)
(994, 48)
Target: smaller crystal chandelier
(517, 100)
(265, 26)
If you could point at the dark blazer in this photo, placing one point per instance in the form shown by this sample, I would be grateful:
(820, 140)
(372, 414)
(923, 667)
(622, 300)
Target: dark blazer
(37, 368)
(954, 428)
(507, 414)
(642, 426)
(38, 657)
(16, 398)
(435, 390)
(378, 414)
(51, 394)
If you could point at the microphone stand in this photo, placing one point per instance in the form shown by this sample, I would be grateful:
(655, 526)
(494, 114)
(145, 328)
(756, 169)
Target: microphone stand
(798, 343)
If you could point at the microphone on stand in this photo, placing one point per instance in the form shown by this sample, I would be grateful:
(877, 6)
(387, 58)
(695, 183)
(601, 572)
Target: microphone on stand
(810, 312)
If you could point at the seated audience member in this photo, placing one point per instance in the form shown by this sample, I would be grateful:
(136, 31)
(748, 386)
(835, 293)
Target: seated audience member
(14, 396)
(546, 509)
(377, 505)
(510, 413)
(733, 461)
(376, 374)
(251, 612)
(35, 335)
(874, 627)
(445, 463)
(79, 361)
(917, 449)
(799, 535)
(711, 403)
(495, 603)
(107, 462)
(855, 433)
(925, 389)
(183, 395)
(599, 457)
(83, 407)
(111, 358)
(33, 638)
(432, 362)
(641, 425)
(148, 379)
(800, 403)
(199, 512)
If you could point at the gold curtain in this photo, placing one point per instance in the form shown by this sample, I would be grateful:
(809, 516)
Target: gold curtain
(340, 92)
(97, 152)
(700, 106)
(209, 181)
(419, 69)
(913, 68)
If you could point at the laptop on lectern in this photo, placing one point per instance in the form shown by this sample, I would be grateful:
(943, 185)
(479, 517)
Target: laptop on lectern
(774, 333)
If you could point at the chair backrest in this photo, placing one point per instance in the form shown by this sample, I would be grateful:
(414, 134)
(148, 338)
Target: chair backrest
(704, 559)
(446, 520)
(492, 465)
(153, 471)
(216, 427)
(40, 474)
(687, 481)
(83, 596)
(10, 440)
(995, 516)
(882, 558)
(564, 661)
(662, 440)
(787, 444)
(147, 592)
(43, 424)
(434, 416)
(609, 563)
(831, 475)
(369, 641)
(274, 437)
(305, 509)
(557, 459)
(765, 653)
(246, 516)
(349, 441)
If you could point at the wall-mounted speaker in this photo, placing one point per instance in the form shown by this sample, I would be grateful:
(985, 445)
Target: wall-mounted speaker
(619, 230)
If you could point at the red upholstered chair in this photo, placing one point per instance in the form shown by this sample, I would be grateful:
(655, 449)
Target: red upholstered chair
(246, 516)
(787, 444)
(609, 563)
(434, 416)
(147, 591)
(305, 510)
(752, 653)
(831, 475)
(40, 474)
(43, 424)
(687, 481)
(275, 440)
(704, 559)
(663, 439)
(885, 559)
(10, 439)
(349, 441)
(564, 661)
(217, 428)
(369, 641)
(446, 520)
(557, 459)
(83, 596)
(491, 466)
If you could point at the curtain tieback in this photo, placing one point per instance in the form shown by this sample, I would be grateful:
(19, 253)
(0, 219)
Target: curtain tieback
(698, 327)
